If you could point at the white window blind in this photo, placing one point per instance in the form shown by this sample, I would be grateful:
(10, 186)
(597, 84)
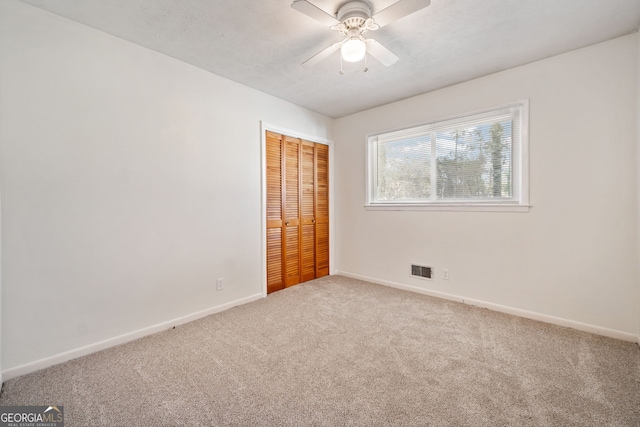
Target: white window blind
(474, 159)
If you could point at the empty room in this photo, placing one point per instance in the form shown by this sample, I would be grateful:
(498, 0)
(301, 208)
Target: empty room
(320, 212)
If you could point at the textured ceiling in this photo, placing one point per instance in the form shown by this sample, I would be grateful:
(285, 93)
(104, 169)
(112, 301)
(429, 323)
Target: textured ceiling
(261, 43)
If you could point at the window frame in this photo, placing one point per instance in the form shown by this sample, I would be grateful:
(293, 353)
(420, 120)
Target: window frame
(520, 204)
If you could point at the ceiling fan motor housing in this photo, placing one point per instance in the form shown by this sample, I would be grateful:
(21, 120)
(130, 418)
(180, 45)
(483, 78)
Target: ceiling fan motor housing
(354, 14)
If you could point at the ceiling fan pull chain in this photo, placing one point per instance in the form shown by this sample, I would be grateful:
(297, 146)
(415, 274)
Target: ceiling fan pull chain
(341, 72)
(365, 63)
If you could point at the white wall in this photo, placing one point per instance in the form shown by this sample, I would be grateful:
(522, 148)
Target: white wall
(130, 182)
(575, 254)
(638, 174)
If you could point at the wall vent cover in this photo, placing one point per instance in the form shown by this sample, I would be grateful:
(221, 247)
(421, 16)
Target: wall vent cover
(421, 271)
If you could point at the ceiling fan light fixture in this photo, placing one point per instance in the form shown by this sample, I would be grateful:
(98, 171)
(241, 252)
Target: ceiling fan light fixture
(353, 50)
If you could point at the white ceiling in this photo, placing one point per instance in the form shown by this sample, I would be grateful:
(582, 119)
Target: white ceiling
(261, 43)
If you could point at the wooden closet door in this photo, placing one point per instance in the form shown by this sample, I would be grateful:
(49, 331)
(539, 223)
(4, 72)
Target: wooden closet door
(291, 208)
(322, 209)
(297, 211)
(275, 237)
(308, 211)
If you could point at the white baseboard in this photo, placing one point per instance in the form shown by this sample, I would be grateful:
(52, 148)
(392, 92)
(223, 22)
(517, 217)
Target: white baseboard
(585, 327)
(28, 368)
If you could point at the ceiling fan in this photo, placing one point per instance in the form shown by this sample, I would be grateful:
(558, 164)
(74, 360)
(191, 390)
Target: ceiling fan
(352, 21)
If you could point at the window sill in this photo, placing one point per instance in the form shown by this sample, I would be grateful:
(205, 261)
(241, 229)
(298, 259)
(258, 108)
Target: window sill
(449, 207)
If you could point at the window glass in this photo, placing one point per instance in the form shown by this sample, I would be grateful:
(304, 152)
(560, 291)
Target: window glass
(478, 158)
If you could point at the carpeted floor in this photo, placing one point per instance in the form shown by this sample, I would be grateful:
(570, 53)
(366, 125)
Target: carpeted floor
(341, 352)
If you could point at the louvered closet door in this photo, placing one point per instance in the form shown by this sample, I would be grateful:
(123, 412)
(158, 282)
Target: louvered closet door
(308, 211)
(291, 210)
(297, 211)
(275, 238)
(322, 209)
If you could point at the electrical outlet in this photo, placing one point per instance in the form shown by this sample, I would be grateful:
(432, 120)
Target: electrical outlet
(445, 273)
(220, 284)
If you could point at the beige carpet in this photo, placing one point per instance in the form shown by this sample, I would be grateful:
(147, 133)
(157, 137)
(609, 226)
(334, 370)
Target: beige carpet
(340, 352)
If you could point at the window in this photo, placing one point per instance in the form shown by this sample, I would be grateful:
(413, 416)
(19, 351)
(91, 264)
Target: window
(474, 162)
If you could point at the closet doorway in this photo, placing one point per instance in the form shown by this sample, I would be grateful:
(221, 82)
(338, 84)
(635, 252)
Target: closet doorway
(297, 178)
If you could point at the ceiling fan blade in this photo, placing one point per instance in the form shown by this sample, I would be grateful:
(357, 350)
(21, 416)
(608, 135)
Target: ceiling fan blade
(381, 53)
(322, 55)
(314, 12)
(398, 10)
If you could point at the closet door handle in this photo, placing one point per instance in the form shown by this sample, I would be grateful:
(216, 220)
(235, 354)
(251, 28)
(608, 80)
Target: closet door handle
(313, 221)
(286, 223)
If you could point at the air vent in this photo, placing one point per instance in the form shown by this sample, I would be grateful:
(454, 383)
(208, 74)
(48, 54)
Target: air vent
(421, 271)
